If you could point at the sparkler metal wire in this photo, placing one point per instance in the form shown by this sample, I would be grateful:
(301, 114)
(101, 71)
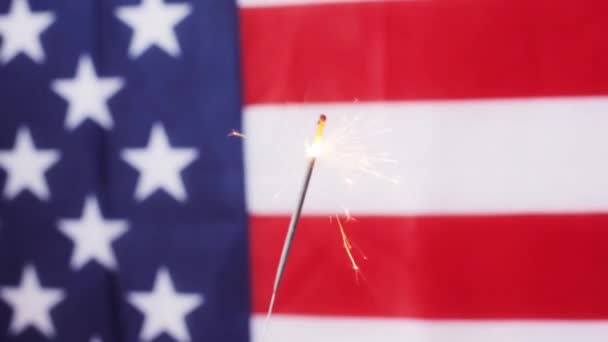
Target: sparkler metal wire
(293, 224)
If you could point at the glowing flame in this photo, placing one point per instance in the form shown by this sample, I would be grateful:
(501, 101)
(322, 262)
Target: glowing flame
(315, 149)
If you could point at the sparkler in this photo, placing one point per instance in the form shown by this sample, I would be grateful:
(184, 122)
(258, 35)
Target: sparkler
(349, 151)
(313, 152)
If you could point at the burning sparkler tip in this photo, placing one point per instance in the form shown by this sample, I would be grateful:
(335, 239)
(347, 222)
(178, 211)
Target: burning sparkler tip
(315, 149)
(320, 126)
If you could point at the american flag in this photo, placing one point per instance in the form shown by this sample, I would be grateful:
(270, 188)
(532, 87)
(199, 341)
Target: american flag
(128, 213)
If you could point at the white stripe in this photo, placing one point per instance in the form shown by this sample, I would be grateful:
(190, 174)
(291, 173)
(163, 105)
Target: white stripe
(498, 156)
(277, 3)
(307, 329)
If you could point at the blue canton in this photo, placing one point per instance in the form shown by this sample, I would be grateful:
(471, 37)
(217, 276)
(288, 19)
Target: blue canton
(122, 211)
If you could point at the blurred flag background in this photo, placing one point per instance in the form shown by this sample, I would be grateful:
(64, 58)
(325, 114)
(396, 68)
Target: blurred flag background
(466, 163)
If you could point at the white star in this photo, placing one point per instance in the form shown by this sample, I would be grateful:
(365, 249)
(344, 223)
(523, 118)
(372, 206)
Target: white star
(165, 310)
(87, 95)
(26, 166)
(21, 29)
(159, 165)
(96, 339)
(92, 236)
(153, 23)
(31, 303)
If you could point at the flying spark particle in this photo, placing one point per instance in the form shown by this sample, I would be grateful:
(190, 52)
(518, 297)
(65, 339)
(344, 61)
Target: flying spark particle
(348, 216)
(235, 133)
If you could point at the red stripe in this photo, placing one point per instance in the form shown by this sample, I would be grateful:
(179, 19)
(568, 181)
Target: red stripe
(439, 267)
(425, 50)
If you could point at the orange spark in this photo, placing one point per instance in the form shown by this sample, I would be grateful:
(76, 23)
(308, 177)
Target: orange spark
(347, 246)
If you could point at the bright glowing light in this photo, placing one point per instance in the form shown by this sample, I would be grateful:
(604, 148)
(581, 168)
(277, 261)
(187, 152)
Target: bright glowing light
(315, 149)
(350, 150)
